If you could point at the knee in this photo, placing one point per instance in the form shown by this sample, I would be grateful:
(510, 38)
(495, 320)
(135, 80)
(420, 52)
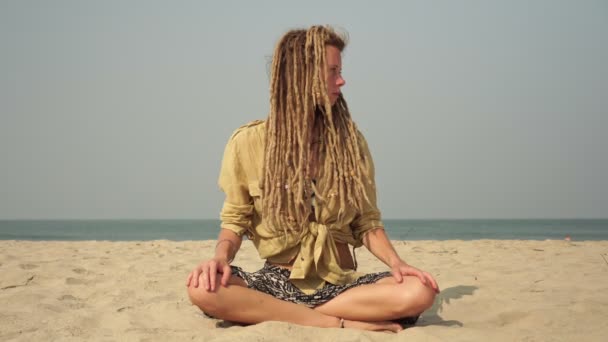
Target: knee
(206, 300)
(425, 296)
(414, 297)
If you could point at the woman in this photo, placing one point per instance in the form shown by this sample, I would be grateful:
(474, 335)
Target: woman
(301, 186)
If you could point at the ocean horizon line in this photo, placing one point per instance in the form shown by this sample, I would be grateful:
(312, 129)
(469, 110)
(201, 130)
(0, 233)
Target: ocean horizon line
(397, 229)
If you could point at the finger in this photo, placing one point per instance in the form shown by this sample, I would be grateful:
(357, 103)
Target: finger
(189, 279)
(212, 275)
(226, 274)
(433, 283)
(397, 275)
(204, 276)
(195, 275)
(422, 278)
(201, 280)
(430, 280)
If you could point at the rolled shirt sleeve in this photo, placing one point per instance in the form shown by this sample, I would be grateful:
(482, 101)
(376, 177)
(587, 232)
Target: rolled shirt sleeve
(237, 211)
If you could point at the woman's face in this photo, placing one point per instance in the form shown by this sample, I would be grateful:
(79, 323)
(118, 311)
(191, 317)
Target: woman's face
(333, 73)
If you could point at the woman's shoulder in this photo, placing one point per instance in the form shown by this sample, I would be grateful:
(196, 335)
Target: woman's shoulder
(250, 130)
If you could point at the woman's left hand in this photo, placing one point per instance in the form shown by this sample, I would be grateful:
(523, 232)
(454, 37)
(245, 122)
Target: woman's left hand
(401, 269)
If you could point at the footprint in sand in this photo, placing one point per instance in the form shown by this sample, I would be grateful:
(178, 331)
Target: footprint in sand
(177, 267)
(67, 297)
(79, 270)
(51, 307)
(28, 266)
(74, 281)
(71, 301)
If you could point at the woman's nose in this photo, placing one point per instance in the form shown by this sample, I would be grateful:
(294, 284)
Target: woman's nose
(340, 81)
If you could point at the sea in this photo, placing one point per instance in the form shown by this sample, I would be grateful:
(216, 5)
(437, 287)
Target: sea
(397, 229)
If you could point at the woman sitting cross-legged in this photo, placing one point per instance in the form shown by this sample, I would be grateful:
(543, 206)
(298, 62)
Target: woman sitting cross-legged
(301, 186)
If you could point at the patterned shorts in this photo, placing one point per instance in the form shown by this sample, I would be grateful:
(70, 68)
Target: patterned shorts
(274, 280)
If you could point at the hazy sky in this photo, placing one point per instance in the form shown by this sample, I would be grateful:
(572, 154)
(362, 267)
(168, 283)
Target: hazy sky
(472, 109)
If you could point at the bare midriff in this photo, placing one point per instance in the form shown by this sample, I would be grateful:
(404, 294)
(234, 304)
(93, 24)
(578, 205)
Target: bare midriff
(344, 257)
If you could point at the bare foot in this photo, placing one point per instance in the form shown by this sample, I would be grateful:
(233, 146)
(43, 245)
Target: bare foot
(387, 326)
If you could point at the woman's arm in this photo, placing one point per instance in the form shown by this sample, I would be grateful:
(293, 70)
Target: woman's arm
(376, 241)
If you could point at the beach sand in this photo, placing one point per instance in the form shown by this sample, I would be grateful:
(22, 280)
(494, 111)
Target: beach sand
(494, 290)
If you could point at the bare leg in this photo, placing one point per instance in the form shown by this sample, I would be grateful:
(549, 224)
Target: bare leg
(384, 300)
(238, 303)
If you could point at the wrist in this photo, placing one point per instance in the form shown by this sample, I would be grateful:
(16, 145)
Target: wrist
(222, 258)
(226, 252)
(223, 242)
(395, 261)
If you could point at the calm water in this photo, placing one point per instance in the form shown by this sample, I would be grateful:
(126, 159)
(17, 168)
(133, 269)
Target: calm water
(128, 230)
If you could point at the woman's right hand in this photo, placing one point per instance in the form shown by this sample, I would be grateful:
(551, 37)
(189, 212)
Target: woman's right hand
(206, 273)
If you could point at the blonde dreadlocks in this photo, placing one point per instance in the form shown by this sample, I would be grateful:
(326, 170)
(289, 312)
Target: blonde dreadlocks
(299, 102)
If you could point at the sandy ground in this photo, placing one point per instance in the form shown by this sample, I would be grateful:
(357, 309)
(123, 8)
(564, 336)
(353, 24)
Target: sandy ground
(135, 291)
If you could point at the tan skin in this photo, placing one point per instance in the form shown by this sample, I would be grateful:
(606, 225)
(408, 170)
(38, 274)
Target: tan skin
(408, 292)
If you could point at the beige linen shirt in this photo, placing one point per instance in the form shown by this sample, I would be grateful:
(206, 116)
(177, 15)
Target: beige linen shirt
(313, 251)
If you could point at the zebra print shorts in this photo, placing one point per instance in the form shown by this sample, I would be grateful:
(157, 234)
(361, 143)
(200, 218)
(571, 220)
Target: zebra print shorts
(274, 280)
